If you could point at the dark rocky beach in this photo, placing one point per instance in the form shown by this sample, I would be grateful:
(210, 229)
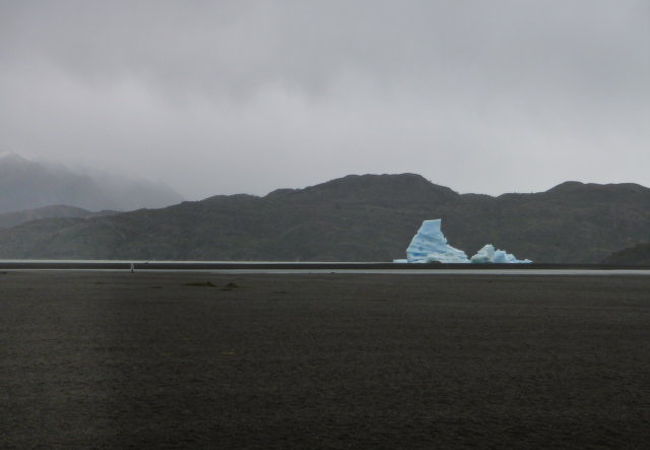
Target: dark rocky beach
(198, 360)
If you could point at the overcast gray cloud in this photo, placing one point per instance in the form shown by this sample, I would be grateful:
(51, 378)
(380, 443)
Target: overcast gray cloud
(247, 96)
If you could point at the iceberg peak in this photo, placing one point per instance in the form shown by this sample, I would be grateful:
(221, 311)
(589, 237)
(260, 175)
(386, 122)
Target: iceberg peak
(430, 245)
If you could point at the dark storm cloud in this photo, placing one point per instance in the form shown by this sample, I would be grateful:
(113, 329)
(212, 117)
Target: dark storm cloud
(236, 96)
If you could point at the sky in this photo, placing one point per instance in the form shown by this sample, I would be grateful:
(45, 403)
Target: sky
(222, 97)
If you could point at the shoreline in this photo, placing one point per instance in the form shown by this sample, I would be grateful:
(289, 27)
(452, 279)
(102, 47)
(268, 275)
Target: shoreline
(294, 266)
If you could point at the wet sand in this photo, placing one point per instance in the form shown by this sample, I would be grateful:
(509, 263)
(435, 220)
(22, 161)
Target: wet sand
(197, 360)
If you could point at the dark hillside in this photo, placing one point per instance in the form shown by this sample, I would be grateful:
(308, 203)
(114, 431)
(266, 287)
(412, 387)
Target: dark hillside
(639, 255)
(355, 218)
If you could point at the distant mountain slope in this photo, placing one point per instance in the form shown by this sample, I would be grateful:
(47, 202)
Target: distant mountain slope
(11, 219)
(27, 184)
(639, 255)
(355, 218)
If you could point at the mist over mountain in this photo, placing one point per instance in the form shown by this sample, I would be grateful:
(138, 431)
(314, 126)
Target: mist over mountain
(26, 184)
(355, 218)
(11, 219)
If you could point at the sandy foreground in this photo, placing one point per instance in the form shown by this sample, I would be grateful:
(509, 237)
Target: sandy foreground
(198, 360)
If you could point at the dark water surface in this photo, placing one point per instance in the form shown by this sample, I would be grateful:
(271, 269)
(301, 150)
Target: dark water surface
(205, 360)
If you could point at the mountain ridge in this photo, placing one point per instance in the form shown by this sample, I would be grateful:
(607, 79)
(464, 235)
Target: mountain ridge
(27, 184)
(354, 218)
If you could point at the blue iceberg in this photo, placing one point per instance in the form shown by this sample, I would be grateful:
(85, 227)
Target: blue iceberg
(430, 245)
(489, 255)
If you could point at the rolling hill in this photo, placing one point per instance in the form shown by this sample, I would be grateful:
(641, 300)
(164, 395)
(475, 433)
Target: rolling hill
(639, 255)
(355, 218)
